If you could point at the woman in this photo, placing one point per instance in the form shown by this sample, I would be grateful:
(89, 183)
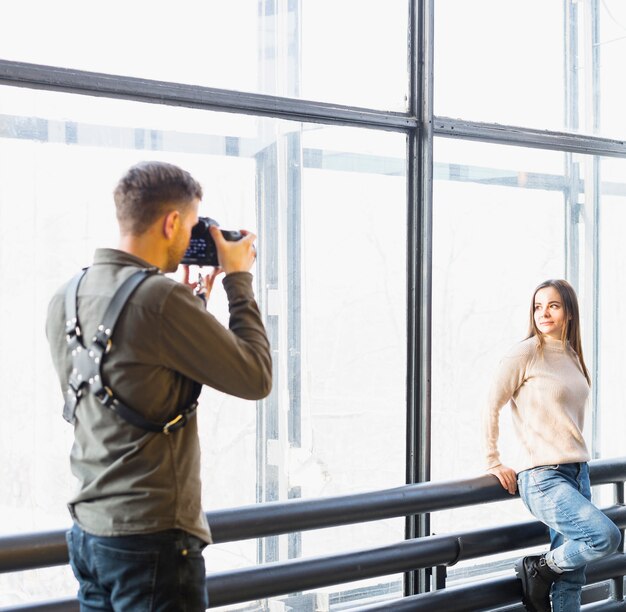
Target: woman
(547, 384)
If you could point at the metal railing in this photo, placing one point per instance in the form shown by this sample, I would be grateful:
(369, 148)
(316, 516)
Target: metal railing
(38, 550)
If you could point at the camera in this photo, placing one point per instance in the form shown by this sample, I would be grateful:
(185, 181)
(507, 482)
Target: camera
(202, 250)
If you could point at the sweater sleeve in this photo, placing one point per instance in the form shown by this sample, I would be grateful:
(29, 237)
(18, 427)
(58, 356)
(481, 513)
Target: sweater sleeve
(510, 375)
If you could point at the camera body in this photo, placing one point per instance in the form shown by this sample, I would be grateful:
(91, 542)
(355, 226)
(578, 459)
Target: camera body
(202, 250)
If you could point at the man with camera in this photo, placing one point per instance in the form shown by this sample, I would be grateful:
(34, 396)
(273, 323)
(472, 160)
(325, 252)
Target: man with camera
(132, 349)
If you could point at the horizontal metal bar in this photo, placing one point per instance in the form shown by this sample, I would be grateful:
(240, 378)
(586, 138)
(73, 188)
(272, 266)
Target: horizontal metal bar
(275, 518)
(58, 605)
(274, 579)
(605, 606)
(490, 594)
(31, 551)
(607, 471)
(67, 80)
(483, 595)
(36, 76)
(528, 137)
(24, 551)
(52, 78)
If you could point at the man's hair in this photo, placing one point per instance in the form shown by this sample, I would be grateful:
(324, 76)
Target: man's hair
(150, 189)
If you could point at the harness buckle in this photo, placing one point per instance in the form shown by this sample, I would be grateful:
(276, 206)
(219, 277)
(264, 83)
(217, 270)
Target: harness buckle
(177, 422)
(103, 339)
(72, 328)
(104, 395)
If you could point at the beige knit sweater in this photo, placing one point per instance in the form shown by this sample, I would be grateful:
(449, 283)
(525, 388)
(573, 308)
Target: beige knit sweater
(548, 392)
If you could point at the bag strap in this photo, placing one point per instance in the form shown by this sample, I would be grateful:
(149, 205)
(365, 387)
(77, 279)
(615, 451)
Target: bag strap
(117, 305)
(87, 363)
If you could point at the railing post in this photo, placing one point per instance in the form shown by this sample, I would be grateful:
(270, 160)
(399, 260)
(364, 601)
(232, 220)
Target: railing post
(617, 584)
(440, 575)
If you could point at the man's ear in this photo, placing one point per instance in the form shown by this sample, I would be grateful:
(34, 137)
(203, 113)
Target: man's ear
(170, 223)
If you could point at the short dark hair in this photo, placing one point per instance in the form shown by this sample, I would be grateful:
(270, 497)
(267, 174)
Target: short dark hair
(148, 190)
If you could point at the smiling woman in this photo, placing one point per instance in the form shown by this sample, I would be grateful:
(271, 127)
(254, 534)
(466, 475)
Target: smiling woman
(545, 380)
(548, 312)
(554, 313)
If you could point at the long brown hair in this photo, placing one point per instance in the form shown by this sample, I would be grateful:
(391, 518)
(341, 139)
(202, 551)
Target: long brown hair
(571, 326)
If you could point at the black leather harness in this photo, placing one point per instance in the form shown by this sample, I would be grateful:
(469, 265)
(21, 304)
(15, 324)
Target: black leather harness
(86, 375)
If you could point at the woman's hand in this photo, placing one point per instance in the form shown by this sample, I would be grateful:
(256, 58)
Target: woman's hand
(506, 476)
(203, 287)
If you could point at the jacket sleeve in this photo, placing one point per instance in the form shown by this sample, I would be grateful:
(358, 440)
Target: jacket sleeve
(509, 377)
(236, 360)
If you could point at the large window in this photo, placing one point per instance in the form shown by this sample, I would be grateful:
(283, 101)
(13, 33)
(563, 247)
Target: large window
(527, 222)
(306, 122)
(331, 285)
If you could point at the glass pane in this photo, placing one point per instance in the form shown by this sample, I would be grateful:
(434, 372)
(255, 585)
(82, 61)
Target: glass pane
(611, 295)
(498, 231)
(547, 65)
(611, 54)
(331, 284)
(355, 52)
(485, 68)
(353, 311)
(315, 49)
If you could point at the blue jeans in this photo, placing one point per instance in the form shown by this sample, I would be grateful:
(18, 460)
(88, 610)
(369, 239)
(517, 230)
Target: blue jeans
(560, 497)
(156, 572)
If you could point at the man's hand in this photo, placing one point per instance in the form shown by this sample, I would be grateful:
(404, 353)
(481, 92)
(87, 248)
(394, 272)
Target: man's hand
(206, 285)
(506, 476)
(236, 256)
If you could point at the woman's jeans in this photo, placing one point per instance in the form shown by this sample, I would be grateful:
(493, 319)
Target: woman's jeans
(559, 496)
(157, 572)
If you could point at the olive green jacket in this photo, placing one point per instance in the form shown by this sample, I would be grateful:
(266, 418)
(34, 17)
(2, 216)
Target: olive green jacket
(132, 481)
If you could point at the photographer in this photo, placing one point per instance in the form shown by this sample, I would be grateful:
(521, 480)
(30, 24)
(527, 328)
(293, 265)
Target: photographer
(139, 528)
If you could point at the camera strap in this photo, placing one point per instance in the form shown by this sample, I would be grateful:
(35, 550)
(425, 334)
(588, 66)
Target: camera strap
(86, 375)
